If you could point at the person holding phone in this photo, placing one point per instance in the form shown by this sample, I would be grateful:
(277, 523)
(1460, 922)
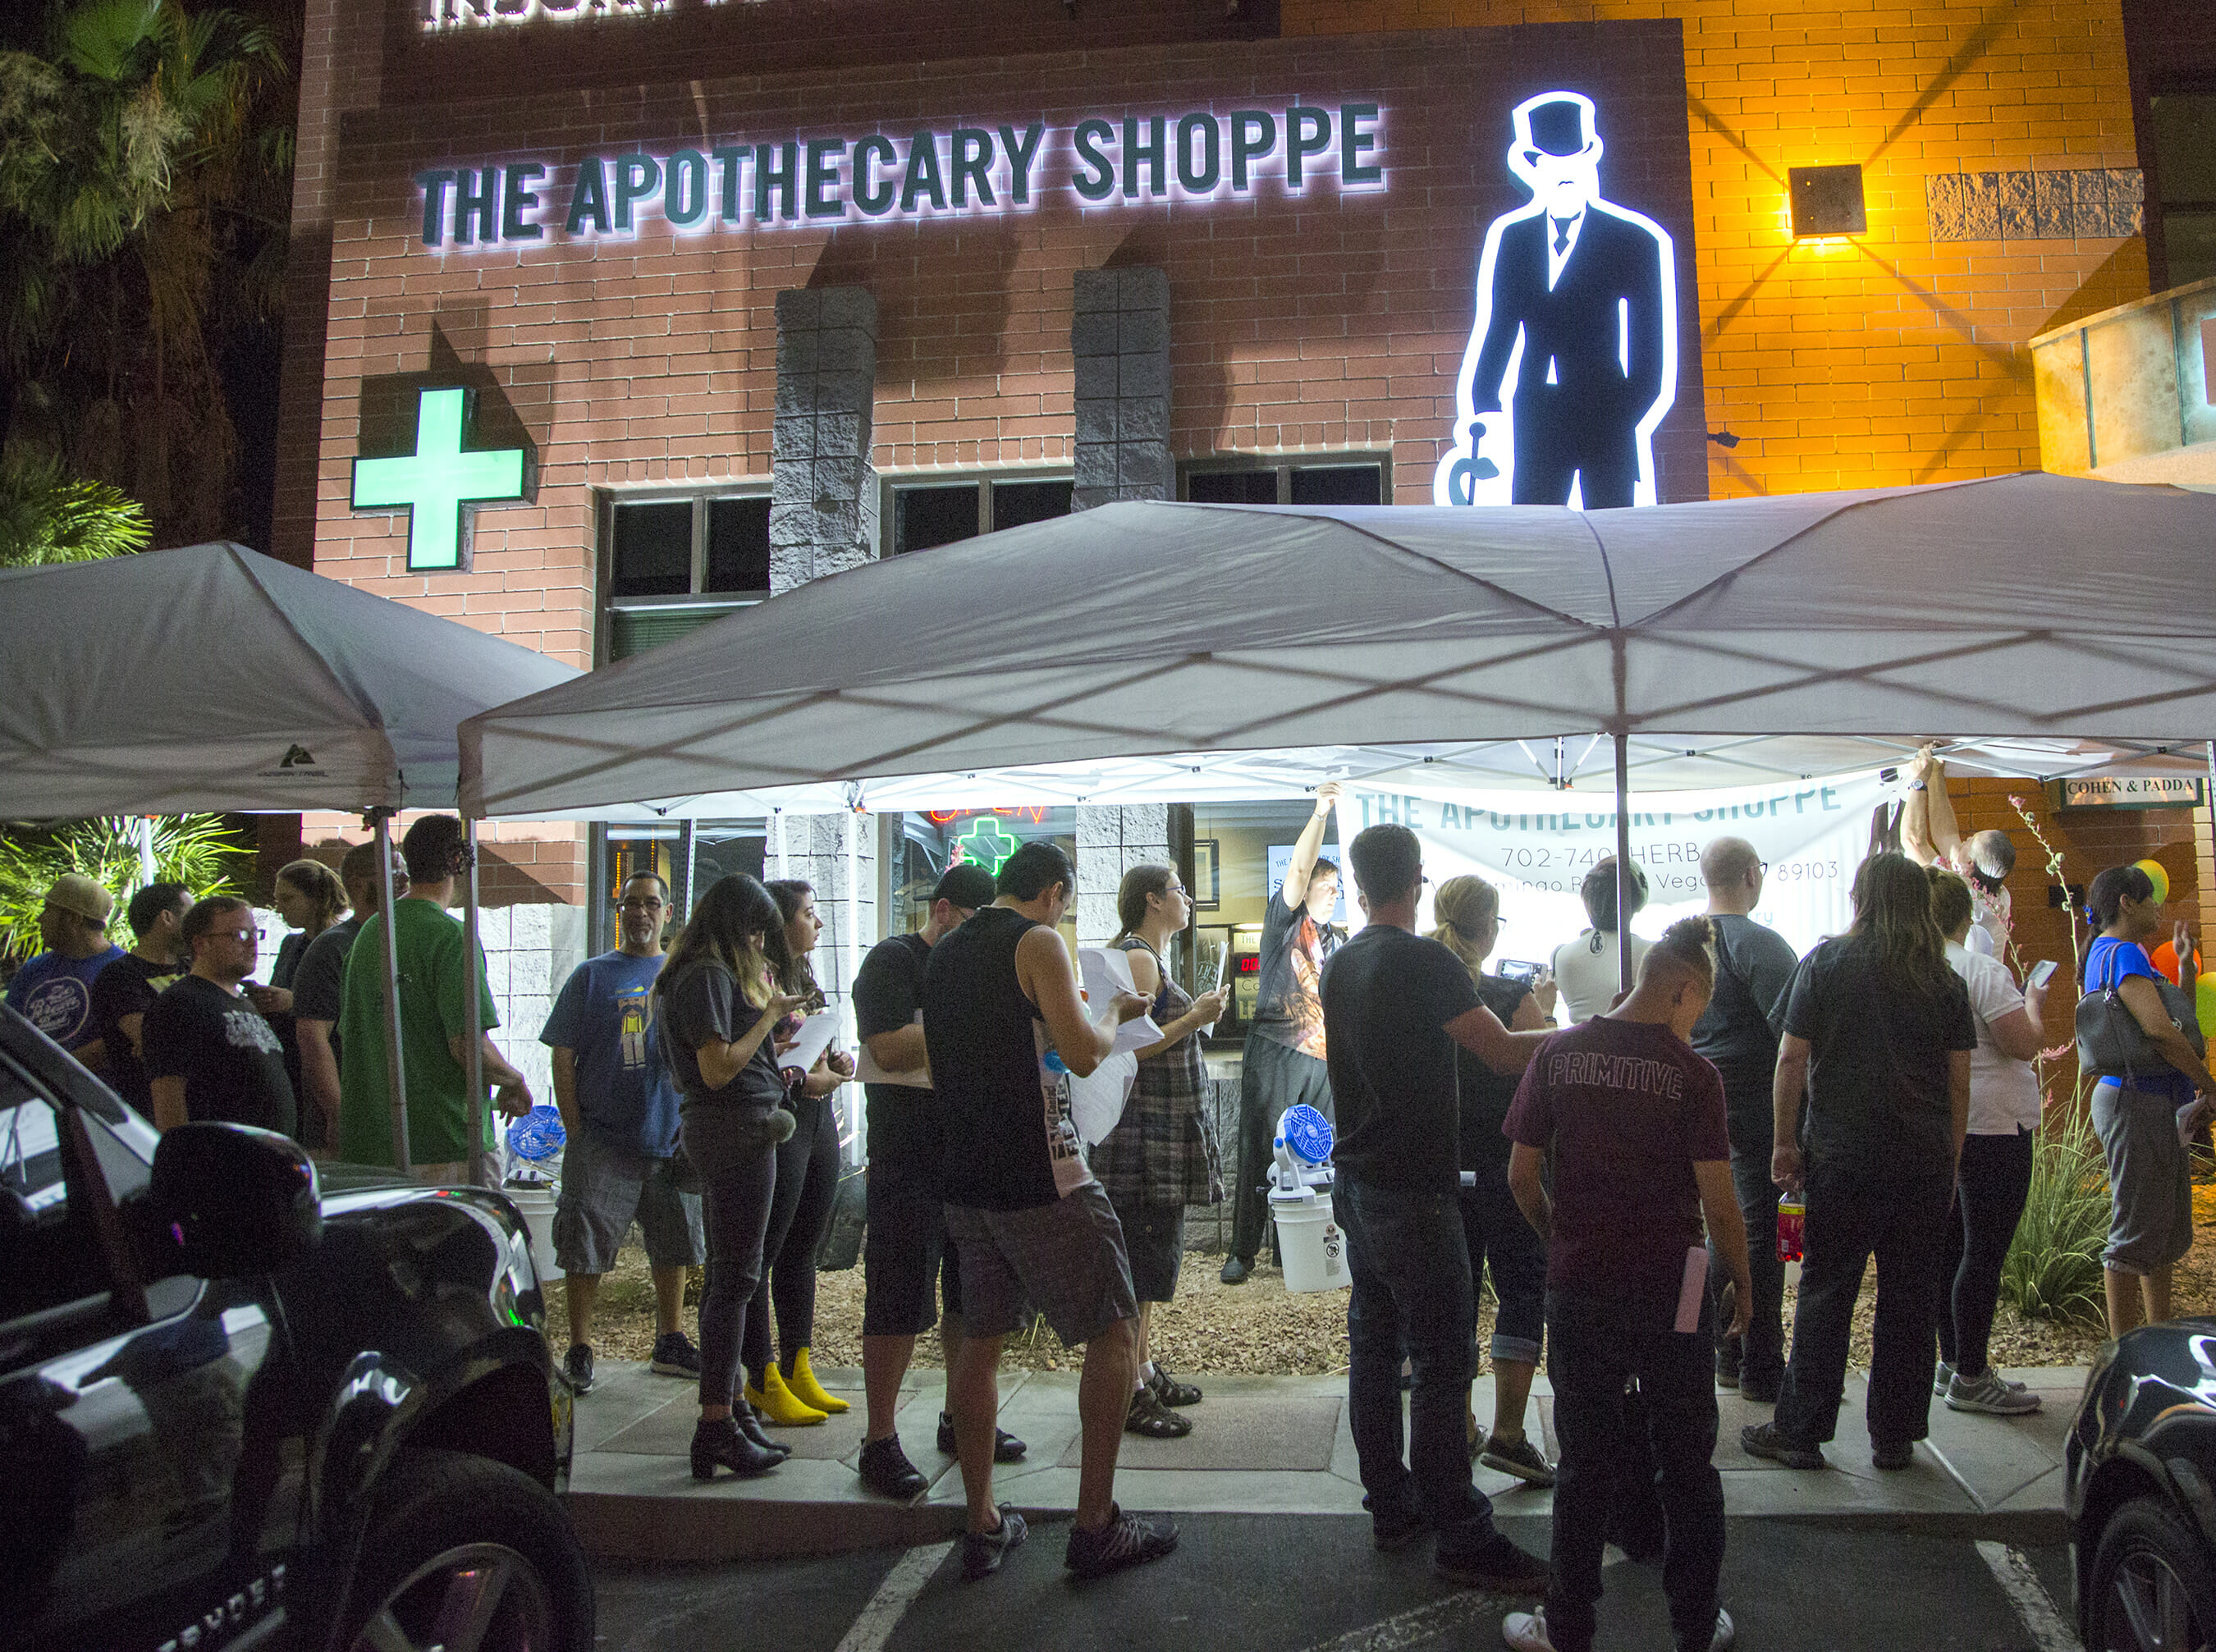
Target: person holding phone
(1994, 1174)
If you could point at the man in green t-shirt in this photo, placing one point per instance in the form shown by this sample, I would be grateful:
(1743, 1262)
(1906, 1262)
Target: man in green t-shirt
(434, 952)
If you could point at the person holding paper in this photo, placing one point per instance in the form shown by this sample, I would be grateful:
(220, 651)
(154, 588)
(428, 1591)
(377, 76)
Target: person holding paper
(1635, 1122)
(1283, 1064)
(1004, 1028)
(785, 1391)
(1160, 1157)
(905, 1255)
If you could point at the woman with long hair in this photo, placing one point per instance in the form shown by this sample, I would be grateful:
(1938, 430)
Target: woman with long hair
(1469, 913)
(2136, 1114)
(1587, 968)
(309, 898)
(715, 1004)
(785, 1391)
(1160, 1157)
(1878, 1030)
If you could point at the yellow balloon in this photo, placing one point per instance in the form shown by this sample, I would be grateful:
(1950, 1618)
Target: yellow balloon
(2204, 1004)
(2159, 878)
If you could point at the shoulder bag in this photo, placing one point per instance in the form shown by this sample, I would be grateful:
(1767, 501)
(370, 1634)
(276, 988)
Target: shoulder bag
(2111, 1043)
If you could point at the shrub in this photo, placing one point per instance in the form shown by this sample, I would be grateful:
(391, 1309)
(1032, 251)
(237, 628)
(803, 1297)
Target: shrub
(2054, 1267)
(194, 850)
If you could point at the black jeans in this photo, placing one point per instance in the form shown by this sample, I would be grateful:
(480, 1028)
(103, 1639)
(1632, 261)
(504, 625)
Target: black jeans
(1899, 1215)
(738, 1172)
(1988, 1195)
(1497, 1234)
(1411, 1294)
(800, 1209)
(1762, 1353)
(1272, 1077)
(1595, 1345)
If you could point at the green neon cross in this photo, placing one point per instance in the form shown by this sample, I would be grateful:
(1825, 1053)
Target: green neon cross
(435, 481)
(986, 844)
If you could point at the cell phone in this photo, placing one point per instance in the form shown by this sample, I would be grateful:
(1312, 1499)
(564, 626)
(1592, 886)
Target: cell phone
(1517, 969)
(2042, 971)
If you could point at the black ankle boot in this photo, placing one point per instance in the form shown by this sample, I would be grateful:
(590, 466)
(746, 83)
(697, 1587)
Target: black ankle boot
(721, 1444)
(750, 1425)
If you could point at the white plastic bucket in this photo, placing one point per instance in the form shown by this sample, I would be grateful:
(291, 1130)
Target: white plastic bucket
(537, 1205)
(1313, 1245)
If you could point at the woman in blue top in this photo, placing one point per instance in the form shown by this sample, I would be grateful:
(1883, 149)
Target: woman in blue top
(2136, 1116)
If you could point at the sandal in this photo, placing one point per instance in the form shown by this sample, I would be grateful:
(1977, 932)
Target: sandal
(1170, 1392)
(1148, 1417)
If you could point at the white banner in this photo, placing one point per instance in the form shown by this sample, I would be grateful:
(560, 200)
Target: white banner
(1537, 847)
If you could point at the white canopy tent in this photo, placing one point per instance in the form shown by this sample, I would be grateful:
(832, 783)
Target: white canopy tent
(212, 679)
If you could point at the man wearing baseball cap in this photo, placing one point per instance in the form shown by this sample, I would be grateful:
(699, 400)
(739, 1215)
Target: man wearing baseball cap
(53, 992)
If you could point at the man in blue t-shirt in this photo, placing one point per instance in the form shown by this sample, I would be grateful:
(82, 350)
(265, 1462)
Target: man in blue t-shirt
(621, 1118)
(53, 992)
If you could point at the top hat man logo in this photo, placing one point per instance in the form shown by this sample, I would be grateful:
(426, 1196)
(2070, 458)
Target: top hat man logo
(1576, 333)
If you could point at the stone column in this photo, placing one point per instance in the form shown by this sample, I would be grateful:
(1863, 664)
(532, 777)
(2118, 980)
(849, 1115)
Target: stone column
(824, 495)
(1112, 839)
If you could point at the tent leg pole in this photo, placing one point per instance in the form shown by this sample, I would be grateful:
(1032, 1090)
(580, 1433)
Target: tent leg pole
(1622, 859)
(473, 1014)
(394, 1072)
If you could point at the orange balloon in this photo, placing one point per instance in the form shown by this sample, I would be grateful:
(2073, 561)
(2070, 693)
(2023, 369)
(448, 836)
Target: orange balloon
(2165, 958)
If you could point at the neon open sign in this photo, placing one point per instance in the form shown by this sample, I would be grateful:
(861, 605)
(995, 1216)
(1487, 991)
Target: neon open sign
(884, 177)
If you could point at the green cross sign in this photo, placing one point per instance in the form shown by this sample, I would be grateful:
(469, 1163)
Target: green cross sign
(985, 844)
(434, 484)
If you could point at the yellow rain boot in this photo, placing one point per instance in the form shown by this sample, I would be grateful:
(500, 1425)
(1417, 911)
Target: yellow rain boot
(810, 1392)
(779, 1405)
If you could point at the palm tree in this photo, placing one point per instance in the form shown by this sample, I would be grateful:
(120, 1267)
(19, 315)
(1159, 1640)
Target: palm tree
(48, 516)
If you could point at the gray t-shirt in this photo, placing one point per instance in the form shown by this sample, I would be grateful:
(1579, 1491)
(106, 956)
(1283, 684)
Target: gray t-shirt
(322, 968)
(1754, 968)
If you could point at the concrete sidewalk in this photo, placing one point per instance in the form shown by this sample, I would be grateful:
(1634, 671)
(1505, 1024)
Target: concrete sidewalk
(1259, 1445)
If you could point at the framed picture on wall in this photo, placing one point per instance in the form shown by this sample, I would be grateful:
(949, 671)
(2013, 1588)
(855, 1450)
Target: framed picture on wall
(1207, 890)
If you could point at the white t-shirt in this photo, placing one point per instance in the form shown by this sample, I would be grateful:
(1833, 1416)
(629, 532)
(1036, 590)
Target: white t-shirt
(2004, 1091)
(1588, 980)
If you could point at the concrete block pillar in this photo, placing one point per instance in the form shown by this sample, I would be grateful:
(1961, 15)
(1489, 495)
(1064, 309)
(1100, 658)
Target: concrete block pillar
(1119, 340)
(823, 497)
(1112, 839)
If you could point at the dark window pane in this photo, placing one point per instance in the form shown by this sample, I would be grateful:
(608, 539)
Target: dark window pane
(634, 630)
(1338, 484)
(654, 550)
(738, 545)
(924, 516)
(2184, 151)
(1015, 503)
(1232, 487)
(2188, 244)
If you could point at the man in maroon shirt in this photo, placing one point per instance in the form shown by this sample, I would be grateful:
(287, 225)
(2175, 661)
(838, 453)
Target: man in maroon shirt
(1635, 1122)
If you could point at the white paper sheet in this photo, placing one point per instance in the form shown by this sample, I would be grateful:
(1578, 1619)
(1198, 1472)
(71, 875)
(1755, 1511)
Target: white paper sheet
(1096, 1102)
(815, 1036)
(1106, 971)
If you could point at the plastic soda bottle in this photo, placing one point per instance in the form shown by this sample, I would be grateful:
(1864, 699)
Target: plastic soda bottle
(1791, 1220)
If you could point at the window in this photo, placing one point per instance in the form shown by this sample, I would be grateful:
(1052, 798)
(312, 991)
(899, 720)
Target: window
(674, 564)
(922, 515)
(2182, 215)
(49, 1250)
(1352, 481)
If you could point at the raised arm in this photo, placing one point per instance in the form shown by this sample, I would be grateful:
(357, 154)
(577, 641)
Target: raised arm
(1309, 845)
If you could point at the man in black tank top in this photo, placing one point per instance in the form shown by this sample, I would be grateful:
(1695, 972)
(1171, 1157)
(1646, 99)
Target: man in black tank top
(1005, 1027)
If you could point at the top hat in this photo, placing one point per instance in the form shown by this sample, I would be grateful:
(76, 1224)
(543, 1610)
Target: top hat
(1558, 126)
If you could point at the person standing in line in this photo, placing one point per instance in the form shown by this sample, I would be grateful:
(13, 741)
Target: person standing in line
(210, 1055)
(316, 991)
(1494, 1227)
(1283, 1064)
(126, 989)
(53, 992)
(1634, 1119)
(1754, 968)
(1396, 1006)
(905, 1255)
(1586, 969)
(2136, 1114)
(1004, 1028)
(1160, 1157)
(1879, 1033)
(1994, 1175)
(310, 898)
(620, 1115)
(786, 1392)
(1929, 837)
(435, 1035)
(715, 1004)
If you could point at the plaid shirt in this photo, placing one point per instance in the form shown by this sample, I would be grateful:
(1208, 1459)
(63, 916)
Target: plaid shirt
(1161, 1152)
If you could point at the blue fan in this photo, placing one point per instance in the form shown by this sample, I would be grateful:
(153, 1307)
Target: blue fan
(1308, 1132)
(538, 1135)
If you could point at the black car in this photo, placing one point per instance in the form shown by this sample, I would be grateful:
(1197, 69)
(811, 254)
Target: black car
(2141, 1464)
(240, 1407)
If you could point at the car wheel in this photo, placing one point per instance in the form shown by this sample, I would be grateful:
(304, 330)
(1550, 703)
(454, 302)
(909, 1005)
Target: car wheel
(2151, 1586)
(468, 1555)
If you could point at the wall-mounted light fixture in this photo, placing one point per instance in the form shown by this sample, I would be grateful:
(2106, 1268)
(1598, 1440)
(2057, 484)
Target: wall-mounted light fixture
(1827, 201)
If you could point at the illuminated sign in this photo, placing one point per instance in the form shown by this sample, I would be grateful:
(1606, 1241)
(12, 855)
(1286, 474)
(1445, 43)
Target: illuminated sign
(1576, 334)
(887, 177)
(443, 15)
(987, 844)
(439, 483)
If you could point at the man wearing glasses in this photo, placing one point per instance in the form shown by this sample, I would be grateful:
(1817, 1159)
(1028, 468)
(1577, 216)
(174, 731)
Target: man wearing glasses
(210, 1055)
(621, 1116)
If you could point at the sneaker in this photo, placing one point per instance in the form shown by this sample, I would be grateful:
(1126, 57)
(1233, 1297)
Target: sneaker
(1519, 1458)
(1767, 1440)
(1990, 1394)
(1394, 1530)
(1897, 1455)
(1728, 1363)
(1007, 1448)
(885, 1469)
(675, 1356)
(983, 1551)
(1492, 1563)
(1526, 1631)
(577, 1367)
(1126, 1540)
(1726, 1634)
(1942, 1377)
(1235, 1269)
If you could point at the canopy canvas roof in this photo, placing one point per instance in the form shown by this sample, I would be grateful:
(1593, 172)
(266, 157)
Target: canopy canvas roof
(1191, 651)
